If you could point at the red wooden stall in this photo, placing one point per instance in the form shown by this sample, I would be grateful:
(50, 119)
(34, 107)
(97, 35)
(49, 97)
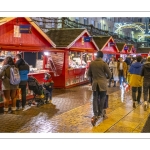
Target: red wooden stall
(143, 51)
(107, 45)
(69, 67)
(21, 35)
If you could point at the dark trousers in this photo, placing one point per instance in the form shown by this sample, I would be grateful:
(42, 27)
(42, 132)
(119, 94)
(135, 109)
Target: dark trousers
(134, 91)
(146, 90)
(48, 94)
(110, 80)
(23, 96)
(98, 106)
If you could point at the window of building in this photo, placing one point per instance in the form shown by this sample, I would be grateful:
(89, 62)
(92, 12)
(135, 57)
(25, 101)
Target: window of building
(77, 20)
(86, 21)
(139, 19)
(99, 25)
(92, 22)
(104, 26)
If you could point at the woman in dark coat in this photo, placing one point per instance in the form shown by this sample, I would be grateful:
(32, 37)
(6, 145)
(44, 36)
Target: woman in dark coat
(8, 89)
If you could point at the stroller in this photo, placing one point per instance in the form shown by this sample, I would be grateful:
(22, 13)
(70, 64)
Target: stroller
(37, 89)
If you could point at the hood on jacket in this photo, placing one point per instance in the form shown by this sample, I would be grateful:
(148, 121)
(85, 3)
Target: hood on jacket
(147, 65)
(136, 65)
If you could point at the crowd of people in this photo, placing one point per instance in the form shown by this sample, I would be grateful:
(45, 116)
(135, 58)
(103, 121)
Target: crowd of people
(10, 90)
(134, 72)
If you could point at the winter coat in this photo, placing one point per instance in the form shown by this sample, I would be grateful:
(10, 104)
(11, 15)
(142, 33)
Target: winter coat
(99, 72)
(23, 71)
(136, 80)
(124, 68)
(113, 66)
(146, 72)
(5, 77)
(48, 84)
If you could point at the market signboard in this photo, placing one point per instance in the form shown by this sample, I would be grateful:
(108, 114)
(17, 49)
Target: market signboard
(25, 28)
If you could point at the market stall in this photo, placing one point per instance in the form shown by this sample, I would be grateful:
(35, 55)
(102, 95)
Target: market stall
(22, 35)
(107, 45)
(69, 68)
(143, 51)
(123, 49)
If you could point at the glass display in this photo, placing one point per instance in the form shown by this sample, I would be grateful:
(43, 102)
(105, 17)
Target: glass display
(79, 59)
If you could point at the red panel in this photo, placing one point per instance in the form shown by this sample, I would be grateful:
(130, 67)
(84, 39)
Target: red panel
(7, 35)
(80, 43)
(110, 49)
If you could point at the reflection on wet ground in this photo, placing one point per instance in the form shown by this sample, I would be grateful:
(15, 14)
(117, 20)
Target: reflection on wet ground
(71, 112)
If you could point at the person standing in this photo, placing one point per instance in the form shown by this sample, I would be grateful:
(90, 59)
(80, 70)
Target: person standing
(23, 71)
(122, 71)
(136, 80)
(146, 83)
(113, 68)
(48, 87)
(8, 89)
(99, 72)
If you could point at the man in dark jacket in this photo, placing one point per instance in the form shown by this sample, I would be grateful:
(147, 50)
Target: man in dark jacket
(99, 72)
(23, 71)
(146, 84)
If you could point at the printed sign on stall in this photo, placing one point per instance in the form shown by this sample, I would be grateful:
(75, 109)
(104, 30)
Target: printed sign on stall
(25, 28)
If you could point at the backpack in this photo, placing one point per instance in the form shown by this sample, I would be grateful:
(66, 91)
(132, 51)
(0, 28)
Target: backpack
(14, 75)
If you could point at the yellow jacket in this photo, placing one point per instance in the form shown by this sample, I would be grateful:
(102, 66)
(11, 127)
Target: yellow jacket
(135, 80)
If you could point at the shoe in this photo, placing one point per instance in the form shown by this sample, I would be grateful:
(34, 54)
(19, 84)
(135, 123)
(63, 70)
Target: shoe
(26, 108)
(139, 103)
(134, 106)
(108, 85)
(114, 86)
(13, 112)
(18, 108)
(93, 120)
(47, 102)
(145, 107)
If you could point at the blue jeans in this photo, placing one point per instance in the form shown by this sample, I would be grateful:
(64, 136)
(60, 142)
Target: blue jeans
(98, 106)
(121, 80)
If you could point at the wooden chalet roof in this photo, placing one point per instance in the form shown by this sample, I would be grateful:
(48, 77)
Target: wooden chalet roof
(64, 37)
(4, 20)
(143, 50)
(101, 40)
(130, 46)
(120, 46)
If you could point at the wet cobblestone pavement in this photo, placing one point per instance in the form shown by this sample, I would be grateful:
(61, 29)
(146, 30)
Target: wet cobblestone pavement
(71, 112)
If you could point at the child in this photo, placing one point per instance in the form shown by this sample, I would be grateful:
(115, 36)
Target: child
(48, 87)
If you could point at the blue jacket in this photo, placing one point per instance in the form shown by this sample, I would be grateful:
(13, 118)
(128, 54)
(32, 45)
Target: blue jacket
(136, 68)
(23, 71)
(136, 79)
